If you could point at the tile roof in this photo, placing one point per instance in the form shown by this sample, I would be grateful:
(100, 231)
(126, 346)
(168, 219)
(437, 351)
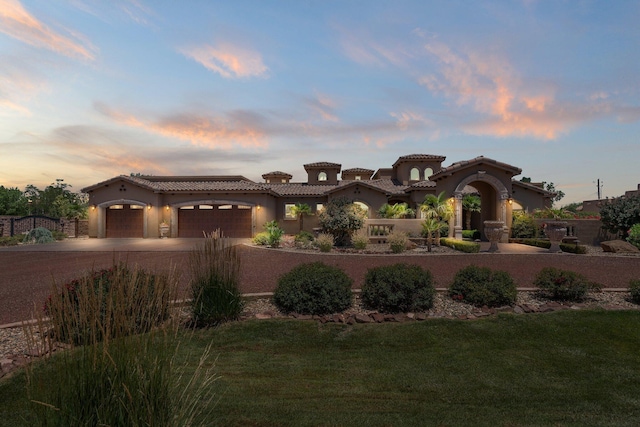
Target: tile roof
(277, 173)
(322, 165)
(196, 184)
(419, 157)
(358, 170)
(480, 159)
(423, 184)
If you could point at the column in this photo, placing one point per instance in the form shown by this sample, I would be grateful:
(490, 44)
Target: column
(458, 215)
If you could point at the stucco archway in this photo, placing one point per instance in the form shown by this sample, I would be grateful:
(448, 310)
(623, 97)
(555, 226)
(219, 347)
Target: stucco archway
(494, 195)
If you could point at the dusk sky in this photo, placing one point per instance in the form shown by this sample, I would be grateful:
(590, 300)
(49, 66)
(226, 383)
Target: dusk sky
(92, 89)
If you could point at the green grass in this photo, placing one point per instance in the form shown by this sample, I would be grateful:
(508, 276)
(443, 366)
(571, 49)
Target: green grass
(565, 368)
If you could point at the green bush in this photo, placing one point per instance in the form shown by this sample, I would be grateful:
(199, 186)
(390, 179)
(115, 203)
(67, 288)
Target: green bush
(274, 233)
(109, 303)
(59, 235)
(634, 236)
(261, 239)
(313, 288)
(341, 218)
(634, 290)
(215, 273)
(303, 237)
(39, 235)
(523, 226)
(360, 239)
(563, 285)
(461, 245)
(10, 241)
(539, 243)
(324, 242)
(482, 286)
(573, 249)
(397, 241)
(471, 234)
(398, 288)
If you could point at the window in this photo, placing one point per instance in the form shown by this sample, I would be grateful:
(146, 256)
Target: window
(136, 207)
(284, 180)
(427, 173)
(322, 176)
(319, 207)
(225, 207)
(244, 207)
(288, 211)
(205, 207)
(358, 178)
(414, 174)
(116, 207)
(267, 181)
(187, 207)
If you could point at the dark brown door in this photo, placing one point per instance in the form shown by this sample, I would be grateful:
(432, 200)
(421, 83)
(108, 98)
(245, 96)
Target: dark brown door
(232, 221)
(125, 222)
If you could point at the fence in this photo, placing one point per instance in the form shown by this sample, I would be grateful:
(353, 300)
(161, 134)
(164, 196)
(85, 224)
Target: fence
(14, 226)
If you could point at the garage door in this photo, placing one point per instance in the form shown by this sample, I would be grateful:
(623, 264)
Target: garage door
(125, 221)
(233, 220)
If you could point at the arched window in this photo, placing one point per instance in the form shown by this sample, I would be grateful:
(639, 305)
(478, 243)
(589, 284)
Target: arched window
(322, 176)
(427, 173)
(414, 175)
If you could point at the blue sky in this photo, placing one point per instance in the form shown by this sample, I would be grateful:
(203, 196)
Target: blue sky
(92, 89)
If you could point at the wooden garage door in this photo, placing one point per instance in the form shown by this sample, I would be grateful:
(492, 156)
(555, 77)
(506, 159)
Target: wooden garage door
(125, 221)
(233, 220)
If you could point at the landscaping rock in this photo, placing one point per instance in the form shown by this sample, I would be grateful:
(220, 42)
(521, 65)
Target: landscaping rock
(363, 318)
(263, 316)
(421, 316)
(518, 310)
(377, 317)
(618, 246)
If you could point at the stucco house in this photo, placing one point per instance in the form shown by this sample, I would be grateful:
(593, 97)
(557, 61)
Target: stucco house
(135, 206)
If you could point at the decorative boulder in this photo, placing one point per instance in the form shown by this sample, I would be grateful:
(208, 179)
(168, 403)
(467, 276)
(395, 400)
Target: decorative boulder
(618, 246)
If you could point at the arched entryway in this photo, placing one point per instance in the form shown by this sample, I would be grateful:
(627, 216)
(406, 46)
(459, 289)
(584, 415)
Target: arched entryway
(494, 198)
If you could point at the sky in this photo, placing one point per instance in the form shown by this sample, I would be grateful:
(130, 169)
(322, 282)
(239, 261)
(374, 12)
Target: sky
(93, 89)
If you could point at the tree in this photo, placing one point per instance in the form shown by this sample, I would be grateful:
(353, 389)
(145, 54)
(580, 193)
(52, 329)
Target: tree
(438, 208)
(56, 201)
(471, 203)
(430, 228)
(341, 217)
(13, 202)
(619, 215)
(550, 187)
(300, 209)
(396, 211)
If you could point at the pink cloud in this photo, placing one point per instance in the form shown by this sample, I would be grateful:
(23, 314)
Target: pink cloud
(490, 85)
(228, 60)
(16, 22)
(213, 132)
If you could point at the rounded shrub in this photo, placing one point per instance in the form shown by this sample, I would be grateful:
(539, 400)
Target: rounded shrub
(398, 288)
(313, 288)
(261, 239)
(360, 239)
(324, 242)
(562, 285)
(634, 290)
(482, 286)
(39, 235)
(397, 242)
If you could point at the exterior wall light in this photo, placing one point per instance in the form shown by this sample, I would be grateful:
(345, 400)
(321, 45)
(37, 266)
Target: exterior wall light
(258, 207)
(510, 201)
(167, 207)
(149, 206)
(93, 207)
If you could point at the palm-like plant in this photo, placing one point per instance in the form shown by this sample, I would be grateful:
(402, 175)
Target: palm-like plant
(431, 227)
(299, 210)
(471, 203)
(438, 209)
(396, 211)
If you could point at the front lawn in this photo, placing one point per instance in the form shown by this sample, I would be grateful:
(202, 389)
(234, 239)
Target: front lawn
(565, 368)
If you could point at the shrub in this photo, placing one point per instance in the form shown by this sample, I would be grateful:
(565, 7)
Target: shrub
(324, 242)
(215, 272)
(482, 286)
(461, 245)
(59, 235)
(39, 235)
(523, 225)
(274, 233)
(360, 239)
(471, 234)
(341, 218)
(108, 304)
(303, 237)
(573, 249)
(397, 241)
(539, 243)
(10, 241)
(563, 285)
(313, 288)
(398, 288)
(634, 236)
(620, 214)
(261, 239)
(634, 290)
